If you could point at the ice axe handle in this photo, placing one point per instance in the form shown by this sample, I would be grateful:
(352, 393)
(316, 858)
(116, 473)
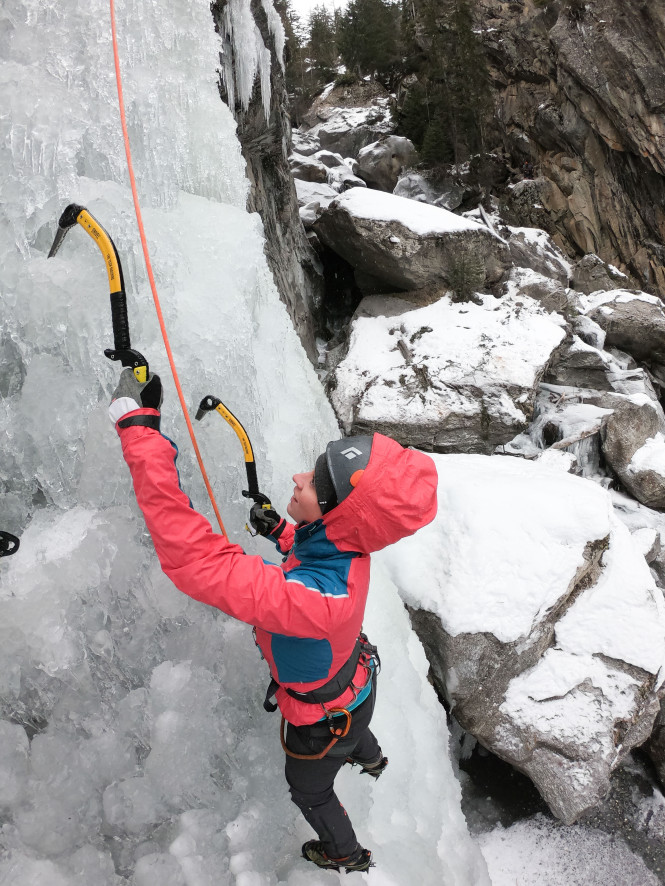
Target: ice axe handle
(123, 350)
(120, 320)
(253, 483)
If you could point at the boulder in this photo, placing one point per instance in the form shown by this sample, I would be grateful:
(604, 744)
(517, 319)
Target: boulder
(592, 274)
(405, 244)
(633, 321)
(346, 118)
(633, 441)
(588, 330)
(329, 159)
(449, 377)
(448, 195)
(381, 163)
(543, 626)
(548, 292)
(341, 179)
(307, 169)
(579, 365)
(305, 143)
(534, 249)
(314, 192)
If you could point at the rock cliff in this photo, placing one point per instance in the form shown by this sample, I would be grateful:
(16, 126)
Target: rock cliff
(265, 140)
(580, 92)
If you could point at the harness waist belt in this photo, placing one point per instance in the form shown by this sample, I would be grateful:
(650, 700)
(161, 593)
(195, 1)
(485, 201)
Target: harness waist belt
(335, 686)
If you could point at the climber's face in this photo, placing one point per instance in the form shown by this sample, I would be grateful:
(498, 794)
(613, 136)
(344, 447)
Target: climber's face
(304, 505)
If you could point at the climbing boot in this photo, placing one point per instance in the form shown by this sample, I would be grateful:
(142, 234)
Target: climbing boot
(359, 860)
(374, 769)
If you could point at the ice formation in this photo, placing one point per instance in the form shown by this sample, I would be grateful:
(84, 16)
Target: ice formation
(133, 745)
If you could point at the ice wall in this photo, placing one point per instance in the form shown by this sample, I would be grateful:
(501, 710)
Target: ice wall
(133, 745)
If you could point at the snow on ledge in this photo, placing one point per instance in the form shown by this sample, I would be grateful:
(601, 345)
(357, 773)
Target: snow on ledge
(421, 218)
(507, 541)
(650, 457)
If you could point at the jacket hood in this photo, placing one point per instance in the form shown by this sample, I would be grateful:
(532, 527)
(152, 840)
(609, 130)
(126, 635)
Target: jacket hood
(395, 497)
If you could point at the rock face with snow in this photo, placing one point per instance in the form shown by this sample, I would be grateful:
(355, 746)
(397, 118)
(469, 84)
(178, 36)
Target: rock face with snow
(633, 321)
(446, 377)
(448, 194)
(381, 163)
(344, 119)
(404, 244)
(541, 621)
(592, 274)
(633, 439)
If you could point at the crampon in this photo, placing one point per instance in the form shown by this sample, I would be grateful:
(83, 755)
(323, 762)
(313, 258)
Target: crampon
(359, 860)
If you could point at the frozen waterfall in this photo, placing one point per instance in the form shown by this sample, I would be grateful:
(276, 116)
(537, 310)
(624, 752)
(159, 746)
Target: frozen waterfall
(133, 744)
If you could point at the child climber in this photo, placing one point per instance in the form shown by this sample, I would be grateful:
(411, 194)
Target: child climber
(364, 493)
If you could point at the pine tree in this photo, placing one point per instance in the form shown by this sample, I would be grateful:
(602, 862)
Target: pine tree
(369, 38)
(322, 42)
(453, 83)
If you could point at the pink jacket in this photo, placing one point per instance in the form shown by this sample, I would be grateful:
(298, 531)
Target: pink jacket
(307, 612)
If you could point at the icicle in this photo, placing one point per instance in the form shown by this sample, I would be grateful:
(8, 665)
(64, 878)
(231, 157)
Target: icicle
(243, 46)
(276, 29)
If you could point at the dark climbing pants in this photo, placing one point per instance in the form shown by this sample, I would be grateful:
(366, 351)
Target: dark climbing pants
(311, 782)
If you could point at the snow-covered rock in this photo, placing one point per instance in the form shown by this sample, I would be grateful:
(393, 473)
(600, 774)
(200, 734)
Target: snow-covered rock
(345, 119)
(340, 178)
(381, 163)
(551, 294)
(314, 192)
(580, 365)
(405, 244)
(541, 620)
(592, 274)
(633, 321)
(307, 169)
(448, 194)
(535, 249)
(633, 441)
(453, 377)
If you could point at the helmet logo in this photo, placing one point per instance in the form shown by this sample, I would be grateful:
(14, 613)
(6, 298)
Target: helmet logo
(351, 453)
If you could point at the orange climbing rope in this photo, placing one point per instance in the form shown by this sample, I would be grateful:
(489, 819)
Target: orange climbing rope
(148, 265)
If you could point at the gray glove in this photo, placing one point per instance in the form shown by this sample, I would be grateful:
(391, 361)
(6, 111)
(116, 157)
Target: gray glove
(130, 395)
(148, 395)
(266, 521)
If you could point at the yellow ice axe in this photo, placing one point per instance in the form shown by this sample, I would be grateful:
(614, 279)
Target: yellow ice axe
(122, 349)
(209, 404)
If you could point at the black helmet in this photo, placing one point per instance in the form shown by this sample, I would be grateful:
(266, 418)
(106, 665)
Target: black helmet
(339, 469)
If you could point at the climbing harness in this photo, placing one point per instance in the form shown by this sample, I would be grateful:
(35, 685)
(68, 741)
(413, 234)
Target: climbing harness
(364, 653)
(9, 544)
(122, 349)
(337, 732)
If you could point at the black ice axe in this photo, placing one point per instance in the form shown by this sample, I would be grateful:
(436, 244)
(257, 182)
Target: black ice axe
(122, 349)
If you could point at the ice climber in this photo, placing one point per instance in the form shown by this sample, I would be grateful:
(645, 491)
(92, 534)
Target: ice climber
(364, 493)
